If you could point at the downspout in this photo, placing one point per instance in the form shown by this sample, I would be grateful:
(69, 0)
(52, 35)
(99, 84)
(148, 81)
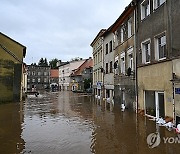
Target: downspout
(135, 56)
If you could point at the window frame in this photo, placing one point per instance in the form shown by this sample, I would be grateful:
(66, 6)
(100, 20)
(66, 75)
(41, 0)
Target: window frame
(155, 4)
(130, 27)
(106, 48)
(106, 68)
(130, 60)
(123, 65)
(144, 58)
(143, 11)
(156, 43)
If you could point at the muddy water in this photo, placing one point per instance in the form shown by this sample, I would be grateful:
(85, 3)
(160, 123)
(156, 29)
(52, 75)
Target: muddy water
(69, 123)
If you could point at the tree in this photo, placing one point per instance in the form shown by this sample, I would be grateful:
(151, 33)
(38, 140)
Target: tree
(53, 63)
(87, 83)
(43, 62)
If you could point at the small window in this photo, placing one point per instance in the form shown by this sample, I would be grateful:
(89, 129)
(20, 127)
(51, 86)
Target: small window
(106, 68)
(129, 27)
(130, 58)
(160, 47)
(39, 80)
(158, 3)
(145, 9)
(122, 33)
(33, 80)
(123, 63)
(110, 46)
(45, 79)
(107, 48)
(146, 52)
(111, 70)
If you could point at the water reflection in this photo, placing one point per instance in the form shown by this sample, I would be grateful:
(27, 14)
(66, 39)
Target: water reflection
(11, 122)
(65, 122)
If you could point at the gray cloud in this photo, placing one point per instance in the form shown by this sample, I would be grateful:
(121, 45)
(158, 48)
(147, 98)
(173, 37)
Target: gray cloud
(60, 29)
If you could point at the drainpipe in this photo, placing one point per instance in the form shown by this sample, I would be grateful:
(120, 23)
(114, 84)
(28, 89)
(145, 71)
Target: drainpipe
(135, 56)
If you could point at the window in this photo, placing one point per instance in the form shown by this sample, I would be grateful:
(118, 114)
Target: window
(33, 80)
(129, 27)
(146, 52)
(106, 68)
(122, 33)
(45, 73)
(110, 46)
(123, 63)
(39, 80)
(45, 79)
(145, 9)
(33, 73)
(158, 3)
(28, 80)
(107, 48)
(160, 47)
(110, 70)
(39, 73)
(130, 58)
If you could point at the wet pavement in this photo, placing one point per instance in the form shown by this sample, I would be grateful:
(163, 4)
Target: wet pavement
(71, 123)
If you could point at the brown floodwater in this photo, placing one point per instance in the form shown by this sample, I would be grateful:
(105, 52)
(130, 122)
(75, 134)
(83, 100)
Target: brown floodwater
(71, 123)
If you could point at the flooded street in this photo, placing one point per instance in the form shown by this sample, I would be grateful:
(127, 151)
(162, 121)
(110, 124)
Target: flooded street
(71, 123)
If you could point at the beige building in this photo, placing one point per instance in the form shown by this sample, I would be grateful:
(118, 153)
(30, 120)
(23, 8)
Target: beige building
(98, 73)
(11, 69)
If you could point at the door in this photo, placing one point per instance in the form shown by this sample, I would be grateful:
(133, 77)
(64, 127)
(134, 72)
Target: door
(160, 105)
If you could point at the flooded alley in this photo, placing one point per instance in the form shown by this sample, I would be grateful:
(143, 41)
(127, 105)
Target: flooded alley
(70, 123)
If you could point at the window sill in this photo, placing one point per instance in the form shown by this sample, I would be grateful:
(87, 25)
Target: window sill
(142, 20)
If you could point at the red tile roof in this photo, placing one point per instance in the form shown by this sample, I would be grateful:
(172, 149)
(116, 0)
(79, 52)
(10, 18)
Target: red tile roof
(87, 64)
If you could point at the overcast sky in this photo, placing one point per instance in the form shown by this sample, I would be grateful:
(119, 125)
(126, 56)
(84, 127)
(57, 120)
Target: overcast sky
(61, 29)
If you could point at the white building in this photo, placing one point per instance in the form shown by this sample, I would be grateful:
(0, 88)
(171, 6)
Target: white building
(108, 44)
(65, 70)
(98, 73)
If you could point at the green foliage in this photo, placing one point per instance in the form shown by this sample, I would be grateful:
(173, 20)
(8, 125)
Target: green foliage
(43, 62)
(53, 63)
(87, 83)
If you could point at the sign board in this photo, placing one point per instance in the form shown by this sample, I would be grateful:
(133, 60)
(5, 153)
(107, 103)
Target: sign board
(99, 85)
(177, 90)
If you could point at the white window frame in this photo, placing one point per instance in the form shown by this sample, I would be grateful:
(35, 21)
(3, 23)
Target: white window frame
(130, 27)
(148, 41)
(123, 63)
(143, 4)
(122, 34)
(130, 59)
(155, 3)
(156, 42)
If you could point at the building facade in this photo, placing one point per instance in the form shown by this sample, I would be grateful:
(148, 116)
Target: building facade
(11, 69)
(38, 77)
(108, 63)
(65, 70)
(98, 71)
(158, 54)
(125, 58)
(81, 78)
